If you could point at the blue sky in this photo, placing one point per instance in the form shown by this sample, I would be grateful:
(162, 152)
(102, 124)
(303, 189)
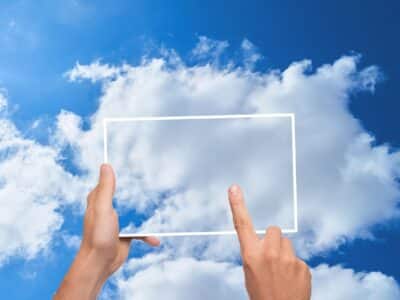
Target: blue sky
(41, 40)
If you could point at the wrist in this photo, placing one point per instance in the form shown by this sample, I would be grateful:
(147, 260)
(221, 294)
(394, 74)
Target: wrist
(92, 264)
(85, 278)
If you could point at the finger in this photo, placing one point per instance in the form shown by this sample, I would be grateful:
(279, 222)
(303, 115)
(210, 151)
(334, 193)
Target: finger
(272, 241)
(150, 240)
(105, 187)
(241, 217)
(287, 249)
(89, 198)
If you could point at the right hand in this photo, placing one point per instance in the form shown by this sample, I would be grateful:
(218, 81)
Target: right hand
(272, 270)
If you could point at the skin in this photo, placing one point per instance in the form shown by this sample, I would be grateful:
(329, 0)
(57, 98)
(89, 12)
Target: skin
(101, 252)
(272, 270)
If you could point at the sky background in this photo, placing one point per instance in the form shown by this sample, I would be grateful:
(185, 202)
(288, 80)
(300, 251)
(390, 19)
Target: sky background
(41, 40)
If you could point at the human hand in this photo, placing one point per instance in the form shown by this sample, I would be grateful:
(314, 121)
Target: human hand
(272, 270)
(101, 252)
(101, 228)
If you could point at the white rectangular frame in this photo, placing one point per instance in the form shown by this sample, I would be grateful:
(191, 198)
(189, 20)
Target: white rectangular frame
(291, 116)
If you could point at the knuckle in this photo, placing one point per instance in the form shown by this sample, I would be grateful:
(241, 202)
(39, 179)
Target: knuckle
(274, 230)
(240, 223)
(104, 187)
(90, 196)
(271, 256)
(101, 189)
(302, 266)
(102, 245)
(287, 241)
(247, 259)
(288, 261)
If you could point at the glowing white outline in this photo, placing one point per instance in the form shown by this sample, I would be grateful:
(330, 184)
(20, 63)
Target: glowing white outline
(291, 116)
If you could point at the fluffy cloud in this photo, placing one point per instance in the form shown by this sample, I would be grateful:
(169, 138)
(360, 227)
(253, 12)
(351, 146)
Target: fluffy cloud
(337, 283)
(184, 278)
(33, 187)
(187, 278)
(197, 160)
(346, 182)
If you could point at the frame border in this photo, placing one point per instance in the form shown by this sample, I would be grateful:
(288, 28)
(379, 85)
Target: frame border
(292, 119)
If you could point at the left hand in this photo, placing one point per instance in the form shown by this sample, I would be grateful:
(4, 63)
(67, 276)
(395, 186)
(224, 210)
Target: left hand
(101, 252)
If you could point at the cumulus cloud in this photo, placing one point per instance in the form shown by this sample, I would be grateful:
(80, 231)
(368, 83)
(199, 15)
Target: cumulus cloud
(346, 182)
(188, 278)
(337, 283)
(197, 160)
(184, 278)
(33, 187)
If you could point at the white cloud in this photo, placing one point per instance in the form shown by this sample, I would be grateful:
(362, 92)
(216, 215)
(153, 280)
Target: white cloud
(3, 102)
(250, 54)
(337, 283)
(68, 127)
(71, 241)
(96, 71)
(188, 278)
(198, 160)
(210, 49)
(33, 186)
(184, 278)
(346, 183)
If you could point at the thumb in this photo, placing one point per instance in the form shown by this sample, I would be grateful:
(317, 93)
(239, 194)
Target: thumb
(106, 186)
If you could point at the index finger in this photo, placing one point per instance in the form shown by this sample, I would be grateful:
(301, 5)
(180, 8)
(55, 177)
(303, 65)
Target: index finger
(241, 218)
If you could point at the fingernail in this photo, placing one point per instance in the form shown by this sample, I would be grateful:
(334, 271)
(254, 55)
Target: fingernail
(234, 189)
(104, 169)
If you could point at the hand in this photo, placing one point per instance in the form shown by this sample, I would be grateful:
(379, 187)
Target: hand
(101, 252)
(272, 270)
